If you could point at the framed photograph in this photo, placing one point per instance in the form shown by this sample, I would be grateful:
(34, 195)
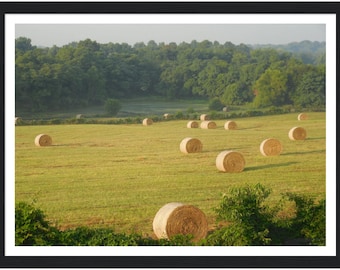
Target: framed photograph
(173, 134)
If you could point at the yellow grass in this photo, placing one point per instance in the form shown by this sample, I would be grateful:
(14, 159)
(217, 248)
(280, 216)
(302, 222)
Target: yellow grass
(119, 176)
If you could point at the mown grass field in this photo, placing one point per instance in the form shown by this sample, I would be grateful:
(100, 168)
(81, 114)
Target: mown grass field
(119, 176)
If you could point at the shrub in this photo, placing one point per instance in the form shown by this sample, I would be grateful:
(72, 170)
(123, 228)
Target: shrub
(32, 229)
(310, 219)
(245, 208)
(190, 110)
(112, 106)
(252, 222)
(179, 115)
(215, 104)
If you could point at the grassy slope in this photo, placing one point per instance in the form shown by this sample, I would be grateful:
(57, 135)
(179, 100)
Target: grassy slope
(121, 175)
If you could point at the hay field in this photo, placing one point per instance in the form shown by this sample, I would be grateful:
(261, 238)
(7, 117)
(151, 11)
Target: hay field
(119, 176)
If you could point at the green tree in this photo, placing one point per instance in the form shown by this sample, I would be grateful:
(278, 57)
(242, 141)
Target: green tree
(215, 104)
(271, 89)
(23, 44)
(112, 106)
(311, 91)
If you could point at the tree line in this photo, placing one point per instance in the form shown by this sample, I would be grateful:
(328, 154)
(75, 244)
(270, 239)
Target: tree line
(88, 73)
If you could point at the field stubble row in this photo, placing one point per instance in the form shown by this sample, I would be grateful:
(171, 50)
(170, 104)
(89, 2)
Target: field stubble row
(119, 176)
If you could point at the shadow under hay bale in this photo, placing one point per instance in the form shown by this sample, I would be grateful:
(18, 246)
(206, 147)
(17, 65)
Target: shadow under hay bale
(177, 218)
(43, 140)
(271, 147)
(191, 145)
(230, 161)
(297, 133)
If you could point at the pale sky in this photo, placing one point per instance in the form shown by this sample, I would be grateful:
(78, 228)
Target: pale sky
(62, 34)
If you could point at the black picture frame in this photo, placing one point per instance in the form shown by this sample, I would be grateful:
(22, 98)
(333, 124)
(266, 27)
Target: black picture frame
(159, 261)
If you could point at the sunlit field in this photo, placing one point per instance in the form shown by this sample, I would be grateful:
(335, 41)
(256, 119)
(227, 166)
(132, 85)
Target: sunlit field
(119, 176)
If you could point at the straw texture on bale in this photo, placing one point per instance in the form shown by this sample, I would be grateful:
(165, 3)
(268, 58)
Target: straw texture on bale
(230, 161)
(191, 145)
(147, 122)
(43, 140)
(208, 125)
(271, 147)
(204, 117)
(192, 124)
(230, 125)
(177, 218)
(297, 133)
(302, 116)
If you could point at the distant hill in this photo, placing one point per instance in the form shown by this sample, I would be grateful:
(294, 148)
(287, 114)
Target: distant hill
(310, 52)
(305, 46)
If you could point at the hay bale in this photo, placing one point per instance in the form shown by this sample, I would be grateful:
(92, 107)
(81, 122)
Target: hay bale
(167, 116)
(302, 116)
(79, 116)
(271, 147)
(230, 125)
(191, 145)
(204, 117)
(177, 218)
(147, 122)
(192, 124)
(18, 120)
(208, 125)
(230, 161)
(297, 133)
(43, 140)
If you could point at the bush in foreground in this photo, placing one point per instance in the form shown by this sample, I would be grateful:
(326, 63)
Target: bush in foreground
(250, 222)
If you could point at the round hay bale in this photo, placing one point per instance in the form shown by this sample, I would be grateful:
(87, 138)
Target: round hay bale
(79, 116)
(191, 145)
(192, 124)
(18, 120)
(302, 116)
(208, 125)
(43, 140)
(167, 116)
(147, 122)
(297, 133)
(230, 161)
(230, 125)
(177, 218)
(204, 117)
(271, 147)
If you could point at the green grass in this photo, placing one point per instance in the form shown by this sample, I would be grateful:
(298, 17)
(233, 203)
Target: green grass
(119, 176)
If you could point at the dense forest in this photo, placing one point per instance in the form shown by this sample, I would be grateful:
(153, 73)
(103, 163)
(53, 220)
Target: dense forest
(87, 73)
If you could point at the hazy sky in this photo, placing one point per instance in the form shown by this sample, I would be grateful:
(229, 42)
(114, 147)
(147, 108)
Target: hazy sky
(62, 34)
